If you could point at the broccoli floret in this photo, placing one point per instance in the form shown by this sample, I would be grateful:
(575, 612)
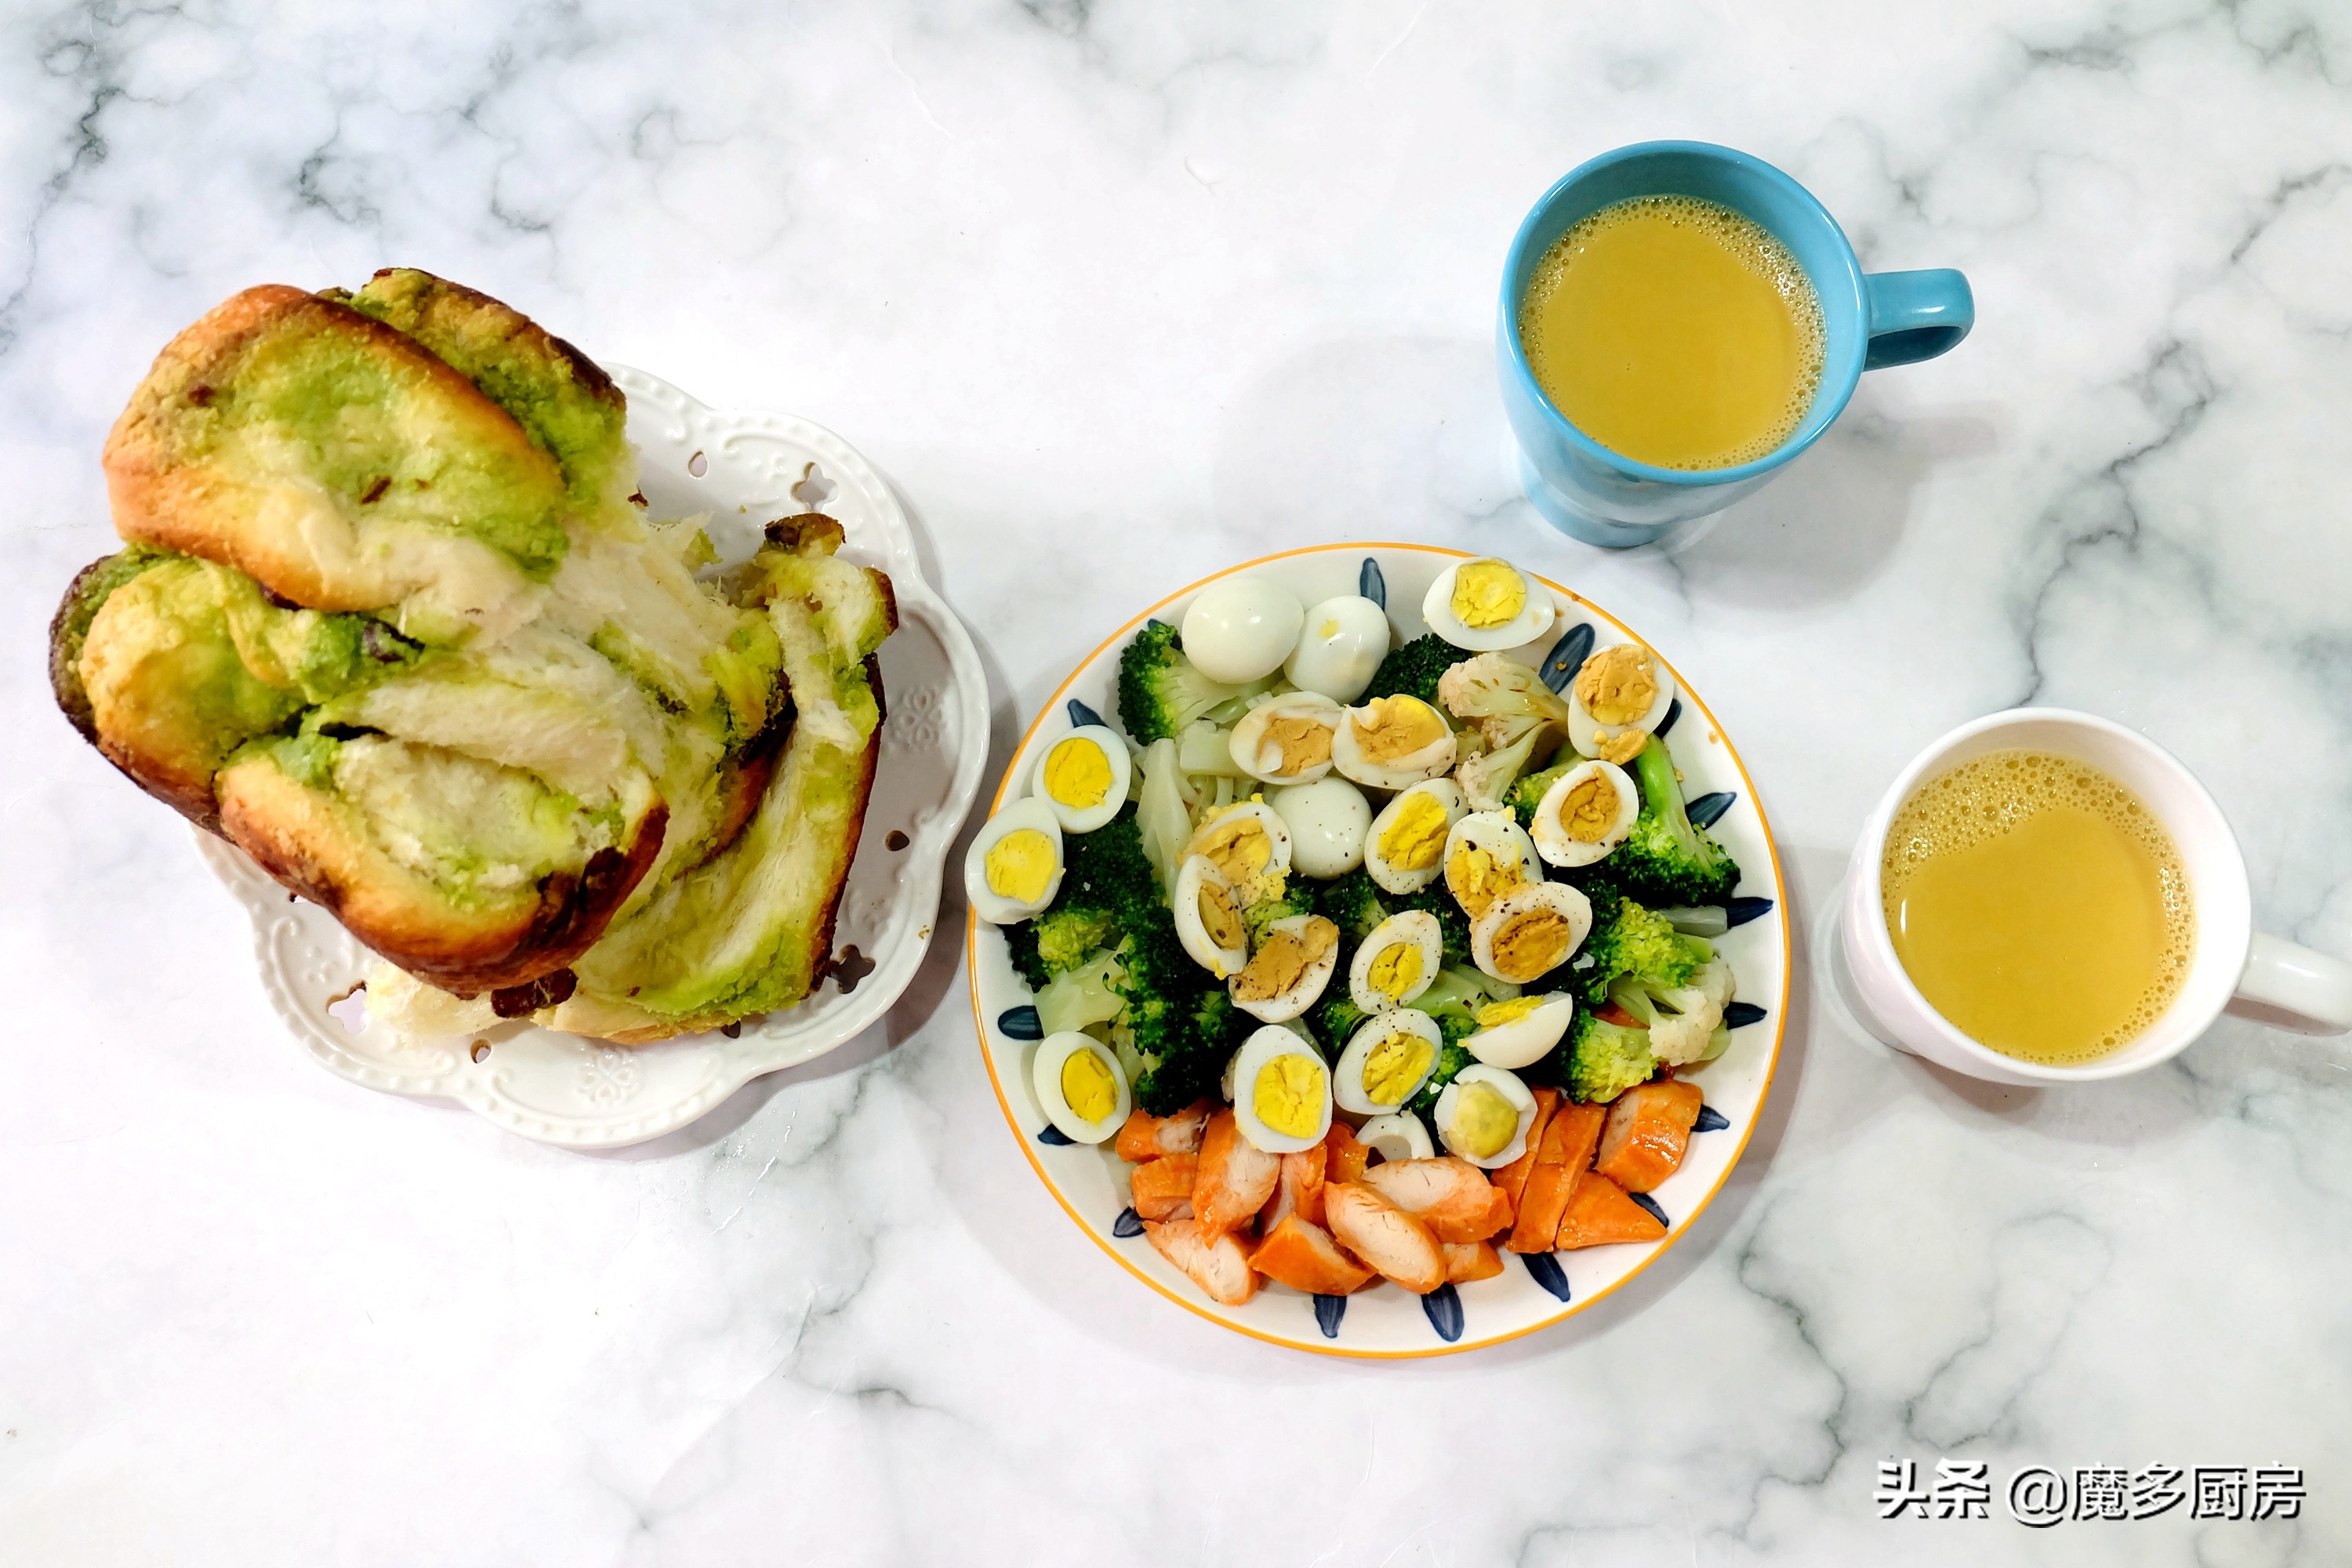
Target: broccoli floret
(1265, 912)
(1529, 792)
(1334, 1020)
(1632, 942)
(1453, 923)
(1021, 945)
(1189, 1060)
(1107, 870)
(1161, 690)
(1414, 669)
(1605, 1059)
(1353, 902)
(1665, 860)
(1067, 938)
(1451, 1060)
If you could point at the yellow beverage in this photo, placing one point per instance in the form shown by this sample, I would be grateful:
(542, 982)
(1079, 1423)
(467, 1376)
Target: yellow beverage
(2038, 905)
(1675, 330)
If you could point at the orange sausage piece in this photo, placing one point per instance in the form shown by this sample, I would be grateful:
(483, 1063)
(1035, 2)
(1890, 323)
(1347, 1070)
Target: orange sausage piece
(1566, 1153)
(1146, 1137)
(1162, 1189)
(1211, 1259)
(1649, 1128)
(1298, 1190)
(1343, 1157)
(1513, 1177)
(1600, 1213)
(1450, 1195)
(1305, 1257)
(1394, 1243)
(1465, 1261)
(1234, 1177)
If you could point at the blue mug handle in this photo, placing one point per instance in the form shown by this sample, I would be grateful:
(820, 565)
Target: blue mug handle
(1915, 315)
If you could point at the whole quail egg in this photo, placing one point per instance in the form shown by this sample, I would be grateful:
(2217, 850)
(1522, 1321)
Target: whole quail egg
(1240, 629)
(1397, 1136)
(1520, 1033)
(1286, 974)
(1388, 1060)
(1392, 741)
(1250, 844)
(1585, 814)
(1396, 962)
(1405, 850)
(1084, 777)
(1618, 697)
(1484, 1116)
(1340, 648)
(1287, 738)
(1329, 820)
(1488, 854)
(1080, 1085)
(1282, 1092)
(1209, 917)
(1014, 867)
(1527, 933)
(1486, 605)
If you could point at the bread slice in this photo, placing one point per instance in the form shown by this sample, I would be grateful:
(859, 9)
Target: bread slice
(340, 463)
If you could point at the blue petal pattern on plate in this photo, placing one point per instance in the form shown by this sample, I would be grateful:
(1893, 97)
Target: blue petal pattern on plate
(1739, 911)
(1054, 1138)
(1547, 1271)
(1021, 1024)
(1128, 1225)
(1081, 715)
(1375, 587)
(1673, 711)
(1443, 1306)
(1708, 809)
(1647, 1202)
(1710, 1119)
(1559, 665)
(1329, 1309)
(1739, 1015)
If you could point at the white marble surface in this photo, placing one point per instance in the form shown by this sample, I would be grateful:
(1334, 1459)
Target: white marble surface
(1118, 293)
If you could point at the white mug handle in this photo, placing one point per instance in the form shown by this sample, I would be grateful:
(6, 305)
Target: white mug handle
(2292, 988)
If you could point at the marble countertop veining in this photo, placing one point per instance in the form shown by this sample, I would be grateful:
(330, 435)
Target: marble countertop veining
(1118, 293)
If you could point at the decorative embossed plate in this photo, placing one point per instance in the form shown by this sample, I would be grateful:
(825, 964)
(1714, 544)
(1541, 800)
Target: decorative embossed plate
(1533, 1291)
(744, 468)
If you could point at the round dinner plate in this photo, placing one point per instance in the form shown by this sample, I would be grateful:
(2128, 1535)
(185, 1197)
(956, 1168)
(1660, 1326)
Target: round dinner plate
(1536, 1290)
(744, 468)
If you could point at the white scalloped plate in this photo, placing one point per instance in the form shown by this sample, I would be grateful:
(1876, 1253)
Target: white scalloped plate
(1534, 1292)
(744, 468)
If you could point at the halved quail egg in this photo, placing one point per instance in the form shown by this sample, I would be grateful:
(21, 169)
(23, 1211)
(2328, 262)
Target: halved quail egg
(1250, 843)
(1520, 1032)
(1530, 931)
(1084, 777)
(1618, 697)
(1341, 649)
(1392, 741)
(1240, 629)
(1080, 1085)
(1287, 740)
(1484, 1116)
(1395, 961)
(1282, 1092)
(1487, 605)
(1209, 917)
(1015, 866)
(1585, 814)
(1388, 1058)
(1286, 974)
(1397, 1136)
(1405, 850)
(1327, 821)
(1488, 854)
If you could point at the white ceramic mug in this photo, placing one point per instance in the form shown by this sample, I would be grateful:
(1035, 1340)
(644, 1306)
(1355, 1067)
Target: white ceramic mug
(2235, 966)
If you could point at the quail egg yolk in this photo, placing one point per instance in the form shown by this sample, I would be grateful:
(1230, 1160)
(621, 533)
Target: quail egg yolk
(1238, 846)
(1219, 918)
(1077, 774)
(1485, 1123)
(1398, 727)
(1088, 1086)
(1488, 594)
(1283, 960)
(1495, 1015)
(1395, 1066)
(1394, 969)
(1289, 1096)
(1617, 685)
(1532, 945)
(1590, 809)
(1019, 865)
(1416, 835)
(1303, 743)
(1478, 879)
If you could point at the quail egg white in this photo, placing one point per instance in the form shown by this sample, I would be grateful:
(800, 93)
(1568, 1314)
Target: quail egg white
(1484, 1116)
(1241, 629)
(1486, 605)
(1488, 854)
(1282, 1092)
(1405, 850)
(1585, 814)
(1209, 917)
(1286, 974)
(1327, 821)
(1395, 961)
(1084, 777)
(1341, 648)
(1518, 1033)
(1080, 1085)
(1620, 695)
(1530, 931)
(1287, 740)
(1392, 741)
(1250, 843)
(1387, 1060)
(1398, 1136)
(1015, 866)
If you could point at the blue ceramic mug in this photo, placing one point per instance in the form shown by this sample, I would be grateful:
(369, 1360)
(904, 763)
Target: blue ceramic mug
(1873, 319)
